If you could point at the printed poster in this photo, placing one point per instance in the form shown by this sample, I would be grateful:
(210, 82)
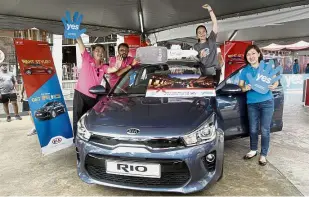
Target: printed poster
(175, 85)
(134, 42)
(45, 97)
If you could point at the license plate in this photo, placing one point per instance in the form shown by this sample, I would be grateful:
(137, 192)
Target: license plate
(137, 169)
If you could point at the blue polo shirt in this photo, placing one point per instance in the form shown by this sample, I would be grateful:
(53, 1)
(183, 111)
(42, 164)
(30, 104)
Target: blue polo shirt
(253, 96)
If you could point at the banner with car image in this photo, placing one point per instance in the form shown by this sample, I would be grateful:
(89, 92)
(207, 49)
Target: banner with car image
(180, 85)
(45, 97)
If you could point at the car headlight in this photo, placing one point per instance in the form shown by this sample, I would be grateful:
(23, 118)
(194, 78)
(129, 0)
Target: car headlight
(203, 134)
(82, 132)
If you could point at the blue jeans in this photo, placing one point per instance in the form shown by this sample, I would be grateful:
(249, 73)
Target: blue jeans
(260, 113)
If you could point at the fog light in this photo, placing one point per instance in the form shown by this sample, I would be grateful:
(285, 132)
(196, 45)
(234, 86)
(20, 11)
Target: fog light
(210, 158)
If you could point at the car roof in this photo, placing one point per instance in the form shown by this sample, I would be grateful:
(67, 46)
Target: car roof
(181, 62)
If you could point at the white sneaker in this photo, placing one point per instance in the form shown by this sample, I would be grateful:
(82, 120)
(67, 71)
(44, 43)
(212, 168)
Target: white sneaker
(250, 154)
(32, 132)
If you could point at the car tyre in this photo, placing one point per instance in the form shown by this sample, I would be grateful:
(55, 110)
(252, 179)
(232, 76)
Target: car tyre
(28, 72)
(49, 71)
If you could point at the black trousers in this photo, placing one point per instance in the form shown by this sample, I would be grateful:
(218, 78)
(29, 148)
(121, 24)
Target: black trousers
(81, 104)
(217, 77)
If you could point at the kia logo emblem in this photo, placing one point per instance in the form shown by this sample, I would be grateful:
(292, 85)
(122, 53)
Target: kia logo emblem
(132, 131)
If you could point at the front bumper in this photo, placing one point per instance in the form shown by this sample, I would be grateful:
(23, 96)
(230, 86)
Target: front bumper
(183, 170)
(42, 115)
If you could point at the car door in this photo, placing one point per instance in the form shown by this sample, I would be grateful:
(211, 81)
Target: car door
(232, 108)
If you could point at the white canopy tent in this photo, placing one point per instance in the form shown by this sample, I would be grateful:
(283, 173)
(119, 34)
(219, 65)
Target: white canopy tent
(285, 26)
(301, 45)
(169, 19)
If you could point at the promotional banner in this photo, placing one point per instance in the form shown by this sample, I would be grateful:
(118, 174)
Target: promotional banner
(134, 42)
(72, 27)
(293, 83)
(180, 86)
(233, 54)
(45, 98)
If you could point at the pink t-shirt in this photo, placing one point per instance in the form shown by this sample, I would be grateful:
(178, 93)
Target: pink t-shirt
(88, 76)
(113, 79)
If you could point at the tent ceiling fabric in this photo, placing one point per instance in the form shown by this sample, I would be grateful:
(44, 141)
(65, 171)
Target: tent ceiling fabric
(106, 16)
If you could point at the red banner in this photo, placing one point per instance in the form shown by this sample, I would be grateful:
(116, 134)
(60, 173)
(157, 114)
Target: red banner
(36, 68)
(134, 42)
(233, 54)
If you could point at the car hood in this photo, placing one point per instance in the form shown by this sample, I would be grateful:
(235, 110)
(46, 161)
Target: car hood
(42, 110)
(153, 116)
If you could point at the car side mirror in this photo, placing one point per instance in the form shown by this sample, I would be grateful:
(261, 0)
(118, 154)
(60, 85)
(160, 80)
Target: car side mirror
(231, 89)
(98, 90)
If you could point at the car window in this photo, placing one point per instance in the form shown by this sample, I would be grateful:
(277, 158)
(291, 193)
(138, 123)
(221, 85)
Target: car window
(234, 79)
(136, 81)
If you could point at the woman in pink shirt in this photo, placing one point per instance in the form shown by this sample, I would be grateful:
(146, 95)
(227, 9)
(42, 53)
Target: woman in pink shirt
(91, 74)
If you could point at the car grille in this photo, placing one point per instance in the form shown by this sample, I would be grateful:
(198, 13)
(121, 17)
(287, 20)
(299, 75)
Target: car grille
(153, 143)
(174, 173)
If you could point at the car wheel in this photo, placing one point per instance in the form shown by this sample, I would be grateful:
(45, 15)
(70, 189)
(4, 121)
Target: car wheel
(28, 72)
(53, 114)
(49, 71)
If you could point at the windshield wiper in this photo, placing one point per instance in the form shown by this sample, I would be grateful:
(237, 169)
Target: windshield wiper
(130, 94)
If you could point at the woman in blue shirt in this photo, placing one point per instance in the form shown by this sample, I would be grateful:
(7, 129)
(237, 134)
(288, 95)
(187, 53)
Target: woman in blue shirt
(260, 106)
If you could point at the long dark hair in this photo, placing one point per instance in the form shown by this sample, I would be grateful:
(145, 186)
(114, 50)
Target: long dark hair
(257, 50)
(200, 26)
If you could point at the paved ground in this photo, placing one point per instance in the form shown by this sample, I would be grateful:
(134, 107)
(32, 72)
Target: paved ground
(23, 171)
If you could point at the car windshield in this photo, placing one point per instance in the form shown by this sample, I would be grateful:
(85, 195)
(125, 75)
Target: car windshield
(136, 81)
(48, 104)
(37, 65)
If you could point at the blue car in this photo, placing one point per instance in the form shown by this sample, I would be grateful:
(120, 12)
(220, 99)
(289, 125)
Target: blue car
(163, 144)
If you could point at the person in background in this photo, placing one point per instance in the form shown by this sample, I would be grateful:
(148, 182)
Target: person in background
(307, 69)
(296, 68)
(8, 92)
(26, 108)
(91, 74)
(128, 62)
(207, 47)
(260, 106)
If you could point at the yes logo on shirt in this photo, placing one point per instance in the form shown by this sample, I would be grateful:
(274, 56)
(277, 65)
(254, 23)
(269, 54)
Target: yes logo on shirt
(264, 78)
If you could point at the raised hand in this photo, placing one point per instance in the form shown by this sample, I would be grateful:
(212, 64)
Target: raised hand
(264, 79)
(71, 28)
(135, 61)
(206, 6)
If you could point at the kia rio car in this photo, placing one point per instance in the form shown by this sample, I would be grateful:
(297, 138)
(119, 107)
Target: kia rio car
(164, 144)
(50, 110)
(30, 69)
